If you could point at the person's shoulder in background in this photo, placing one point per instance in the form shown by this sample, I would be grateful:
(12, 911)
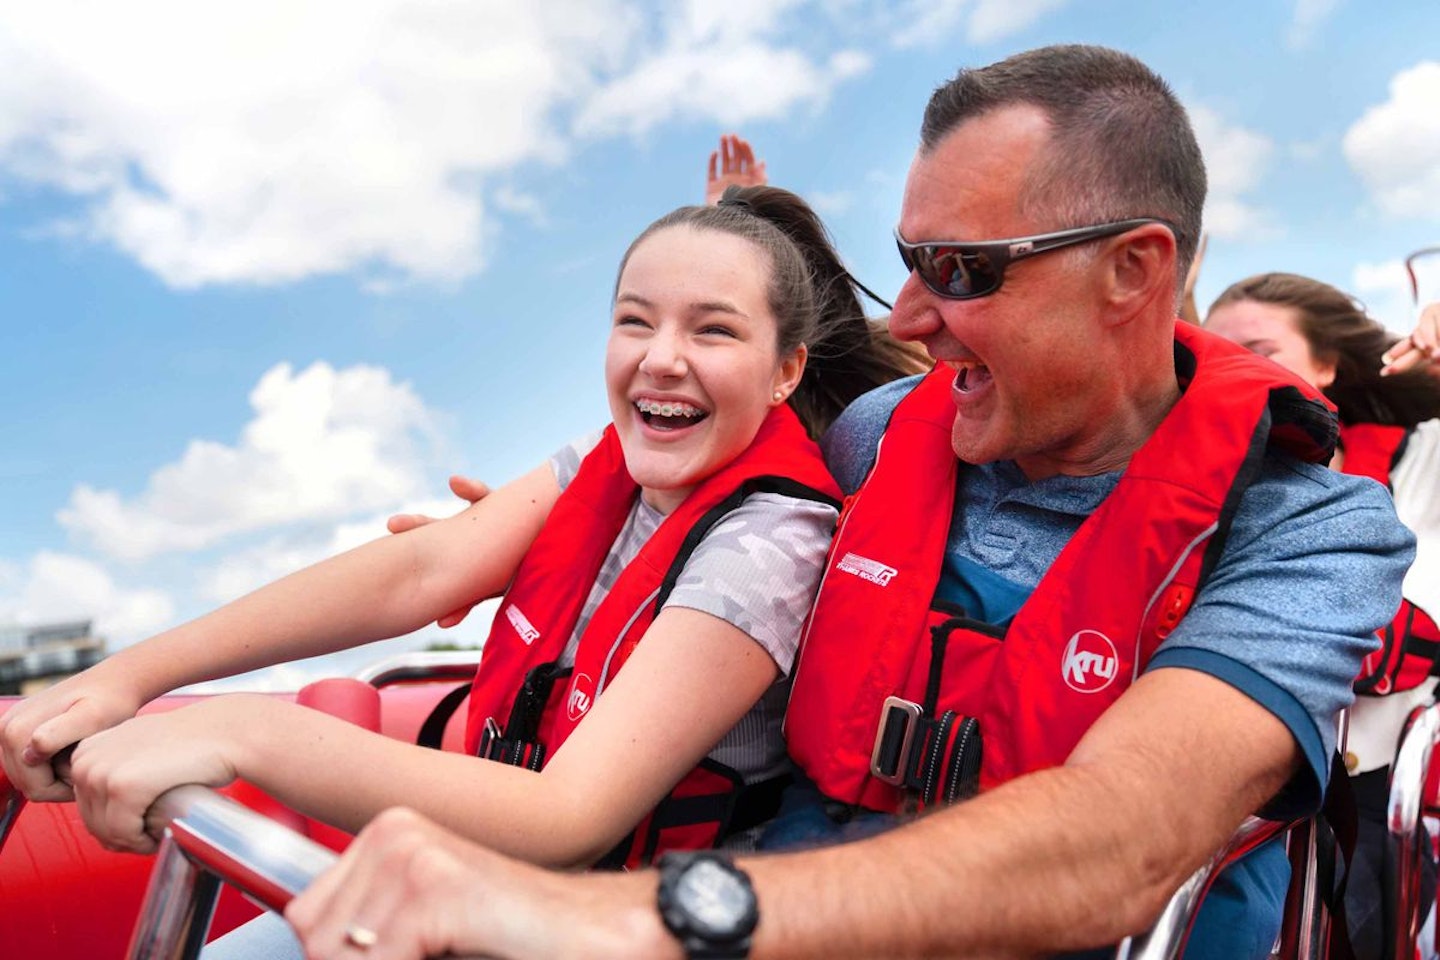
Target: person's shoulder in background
(849, 444)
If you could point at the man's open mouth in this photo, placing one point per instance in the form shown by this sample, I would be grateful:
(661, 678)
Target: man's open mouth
(970, 379)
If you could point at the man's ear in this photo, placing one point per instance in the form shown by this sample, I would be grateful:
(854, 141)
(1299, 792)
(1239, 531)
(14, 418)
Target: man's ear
(1142, 268)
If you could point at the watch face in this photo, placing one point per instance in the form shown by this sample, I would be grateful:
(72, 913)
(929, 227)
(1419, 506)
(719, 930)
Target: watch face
(714, 898)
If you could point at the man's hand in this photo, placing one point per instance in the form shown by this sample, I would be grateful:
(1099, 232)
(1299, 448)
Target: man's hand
(420, 891)
(734, 164)
(1422, 346)
(466, 489)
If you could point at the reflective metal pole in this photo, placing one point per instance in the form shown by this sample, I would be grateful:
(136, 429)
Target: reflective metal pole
(1166, 938)
(1407, 788)
(179, 903)
(206, 839)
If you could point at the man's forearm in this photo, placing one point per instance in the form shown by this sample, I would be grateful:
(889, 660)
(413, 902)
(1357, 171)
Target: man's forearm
(1024, 870)
(1073, 857)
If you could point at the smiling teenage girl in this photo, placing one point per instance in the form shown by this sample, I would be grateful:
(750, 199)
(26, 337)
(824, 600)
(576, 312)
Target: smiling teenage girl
(684, 544)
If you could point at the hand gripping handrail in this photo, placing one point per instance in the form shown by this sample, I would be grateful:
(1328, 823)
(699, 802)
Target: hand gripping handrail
(1402, 814)
(206, 839)
(1165, 939)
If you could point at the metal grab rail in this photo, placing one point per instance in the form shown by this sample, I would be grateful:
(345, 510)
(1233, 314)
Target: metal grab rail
(1165, 939)
(421, 665)
(1407, 788)
(206, 839)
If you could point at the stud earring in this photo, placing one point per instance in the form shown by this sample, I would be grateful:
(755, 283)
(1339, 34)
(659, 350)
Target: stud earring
(779, 395)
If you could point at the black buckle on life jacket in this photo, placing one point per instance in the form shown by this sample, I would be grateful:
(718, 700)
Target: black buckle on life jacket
(519, 745)
(936, 757)
(518, 753)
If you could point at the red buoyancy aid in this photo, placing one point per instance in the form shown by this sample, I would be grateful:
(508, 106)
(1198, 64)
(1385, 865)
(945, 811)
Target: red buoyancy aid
(1410, 643)
(889, 692)
(517, 677)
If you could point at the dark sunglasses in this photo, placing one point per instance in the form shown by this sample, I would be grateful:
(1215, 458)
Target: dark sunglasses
(957, 270)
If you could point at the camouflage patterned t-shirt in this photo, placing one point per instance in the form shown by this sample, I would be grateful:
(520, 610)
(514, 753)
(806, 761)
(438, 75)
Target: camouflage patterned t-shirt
(757, 569)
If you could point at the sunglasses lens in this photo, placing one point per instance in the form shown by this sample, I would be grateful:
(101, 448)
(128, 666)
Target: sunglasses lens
(954, 272)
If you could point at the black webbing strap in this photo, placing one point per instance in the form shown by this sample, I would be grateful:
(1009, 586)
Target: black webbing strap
(736, 812)
(519, 744)
(935, 754)
(1336, 828)
(937, 758)
(432, 731)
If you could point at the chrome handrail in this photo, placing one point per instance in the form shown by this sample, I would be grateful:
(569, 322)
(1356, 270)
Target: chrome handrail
(420, 665)
(1166, 937)
(1402, 815)
(206, 839)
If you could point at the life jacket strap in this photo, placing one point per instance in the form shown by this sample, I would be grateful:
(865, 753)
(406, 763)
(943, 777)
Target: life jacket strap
(519, 744)
(1409, 653)
(935, 758)
(529, 754)
(715, 805)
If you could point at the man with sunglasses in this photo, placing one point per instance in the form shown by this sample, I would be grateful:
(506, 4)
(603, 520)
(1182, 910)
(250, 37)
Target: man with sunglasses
(1100, 546)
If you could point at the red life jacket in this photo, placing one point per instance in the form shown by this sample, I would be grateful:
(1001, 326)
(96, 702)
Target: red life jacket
(518, 675)
(893, 694)
(1410, 643)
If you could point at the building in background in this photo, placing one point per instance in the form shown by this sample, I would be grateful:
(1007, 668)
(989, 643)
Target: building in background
(34, 657)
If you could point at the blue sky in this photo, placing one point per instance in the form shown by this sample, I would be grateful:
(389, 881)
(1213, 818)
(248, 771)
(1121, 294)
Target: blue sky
(269, 272)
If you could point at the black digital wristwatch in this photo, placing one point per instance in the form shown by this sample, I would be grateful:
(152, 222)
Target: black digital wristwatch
(708, 904)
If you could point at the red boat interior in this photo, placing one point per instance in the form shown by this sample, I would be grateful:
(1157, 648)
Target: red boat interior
(64, 897)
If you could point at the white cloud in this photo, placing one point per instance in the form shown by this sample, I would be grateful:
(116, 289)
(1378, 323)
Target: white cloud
(997, 19)
(57, 587)
(1395, 146)
(1308, 18)
(324, 444)
(983, 21)
(698, 22)
(706, 61)
(1385, 289)
(1236, 161)
(271, 141)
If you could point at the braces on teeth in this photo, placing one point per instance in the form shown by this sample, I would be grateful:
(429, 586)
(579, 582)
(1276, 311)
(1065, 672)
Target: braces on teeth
(667, 409)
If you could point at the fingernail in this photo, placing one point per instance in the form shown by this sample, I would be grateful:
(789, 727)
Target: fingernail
(31, 757)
